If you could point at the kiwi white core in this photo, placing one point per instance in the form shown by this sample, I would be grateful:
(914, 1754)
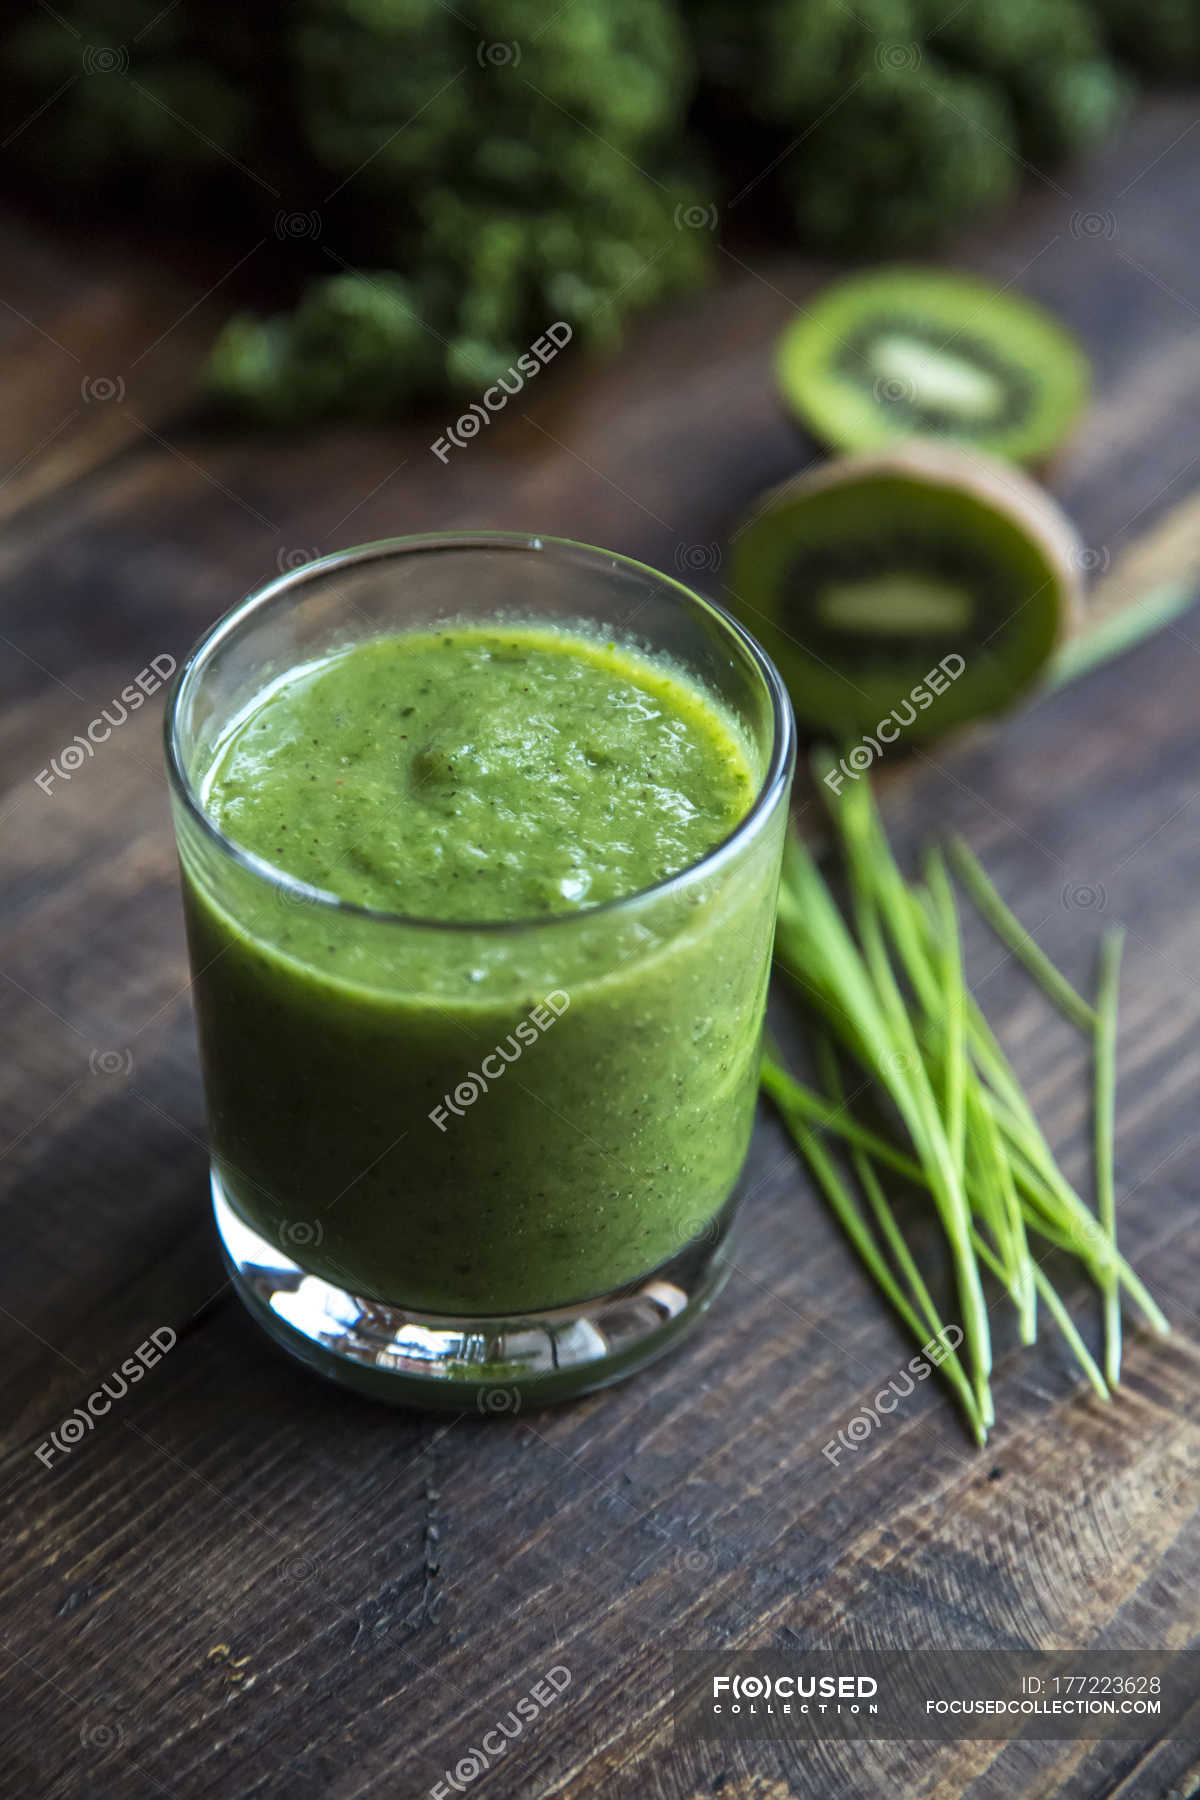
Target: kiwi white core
(918, 604)
(935, 378)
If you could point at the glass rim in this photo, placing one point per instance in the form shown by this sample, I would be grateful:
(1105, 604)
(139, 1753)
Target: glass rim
(774, 781)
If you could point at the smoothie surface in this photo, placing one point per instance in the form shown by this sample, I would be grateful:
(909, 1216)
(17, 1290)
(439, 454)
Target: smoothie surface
(482, 773)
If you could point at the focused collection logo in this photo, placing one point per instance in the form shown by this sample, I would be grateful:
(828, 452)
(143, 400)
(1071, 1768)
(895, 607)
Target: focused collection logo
(815, 1693)
(506, 387)
(856, 762)
(496, 1061)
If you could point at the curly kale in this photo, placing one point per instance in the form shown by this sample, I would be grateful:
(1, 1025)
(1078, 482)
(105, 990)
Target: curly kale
(904, 160)
(352, 345)
(460, 193)
(512, 182)
(896, 120)
(1049, 59)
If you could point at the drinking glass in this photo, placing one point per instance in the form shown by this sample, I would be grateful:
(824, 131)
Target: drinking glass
(477, 1164)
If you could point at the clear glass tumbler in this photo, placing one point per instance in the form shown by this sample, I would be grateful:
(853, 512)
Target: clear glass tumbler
(460, 1164)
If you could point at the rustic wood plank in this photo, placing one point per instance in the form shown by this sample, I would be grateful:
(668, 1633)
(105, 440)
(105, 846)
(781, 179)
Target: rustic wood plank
(99, 346)
(230, 1586)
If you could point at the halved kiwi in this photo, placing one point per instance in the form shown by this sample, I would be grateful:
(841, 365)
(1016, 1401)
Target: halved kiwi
(920, 568)
(903, 351)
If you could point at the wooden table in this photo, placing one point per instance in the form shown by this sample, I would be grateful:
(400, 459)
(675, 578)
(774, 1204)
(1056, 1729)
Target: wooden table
(246, 1583)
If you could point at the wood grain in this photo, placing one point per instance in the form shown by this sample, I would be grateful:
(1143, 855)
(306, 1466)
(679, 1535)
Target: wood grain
(243, 1582)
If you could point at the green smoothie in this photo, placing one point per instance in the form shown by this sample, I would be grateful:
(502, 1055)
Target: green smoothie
(479, 774)
(507, 1094)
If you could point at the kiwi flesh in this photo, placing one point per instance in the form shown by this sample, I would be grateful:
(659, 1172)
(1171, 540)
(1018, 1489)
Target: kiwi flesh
(866, 574)
(901, 351)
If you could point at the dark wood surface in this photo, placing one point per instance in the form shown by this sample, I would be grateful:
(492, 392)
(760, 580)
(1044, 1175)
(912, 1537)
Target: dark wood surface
(245, 1583)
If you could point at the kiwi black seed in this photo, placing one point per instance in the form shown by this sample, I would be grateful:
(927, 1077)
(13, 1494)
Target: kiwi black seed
(866, 574)
(902, 351)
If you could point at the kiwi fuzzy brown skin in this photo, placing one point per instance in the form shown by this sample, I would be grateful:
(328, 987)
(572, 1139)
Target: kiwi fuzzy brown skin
(1005, 334)
(1044, 469)
(972, 486)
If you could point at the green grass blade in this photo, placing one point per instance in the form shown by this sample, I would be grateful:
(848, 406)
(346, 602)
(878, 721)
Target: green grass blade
(1063, 1318)
(955, 1021)
(911, 1086)
(828, 1178)
(892, 989)
(1123, 629)
(1066, 1325)
(789, 1093)
(894, 1238)
(1009, 929)
(1106, 1085)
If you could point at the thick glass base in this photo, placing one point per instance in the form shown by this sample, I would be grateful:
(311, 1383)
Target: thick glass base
(490, 1366)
